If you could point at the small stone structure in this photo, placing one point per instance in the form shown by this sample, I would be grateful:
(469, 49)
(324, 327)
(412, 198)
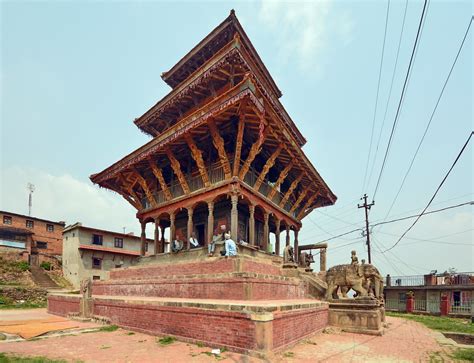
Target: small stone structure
(86, 299)
(365, 313)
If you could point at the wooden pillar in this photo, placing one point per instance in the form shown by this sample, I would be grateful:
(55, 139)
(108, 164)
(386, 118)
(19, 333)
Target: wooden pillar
(252, 225)
(157, 247)
(322, 260)
(162, 243)
(296, 252)
(190, 226)
(234, 217)
(266, 231)
(287, 242)
(210, 222)
(172, 227)
(277, 237)
(142, 239)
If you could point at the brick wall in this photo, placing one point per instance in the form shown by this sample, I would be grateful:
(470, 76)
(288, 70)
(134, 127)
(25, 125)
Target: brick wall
(289, 327)
(63, 305)
(209, 326)
(204, 288)
(261, 268)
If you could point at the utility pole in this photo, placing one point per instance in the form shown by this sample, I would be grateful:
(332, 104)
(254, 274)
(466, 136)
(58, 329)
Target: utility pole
(31, 189)
(367, 208)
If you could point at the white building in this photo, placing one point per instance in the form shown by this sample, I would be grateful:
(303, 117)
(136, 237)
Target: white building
(92, 252)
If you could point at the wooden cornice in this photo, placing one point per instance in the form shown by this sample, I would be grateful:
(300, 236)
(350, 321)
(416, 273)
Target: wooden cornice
(177, 170)
(197, 156)
(218, 143)
(306, 205)
(291, 189)
(159, 175)
(266, 168)
(281, 179)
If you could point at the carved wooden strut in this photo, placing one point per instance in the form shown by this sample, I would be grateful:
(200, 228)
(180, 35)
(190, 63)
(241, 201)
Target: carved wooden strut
(177, 170)
(266, 168)
(218, 142)
(290, 190)
(197, 156)
(159, 175)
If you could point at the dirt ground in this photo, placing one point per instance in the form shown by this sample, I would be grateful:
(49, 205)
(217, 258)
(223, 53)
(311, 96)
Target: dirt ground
(404, 341)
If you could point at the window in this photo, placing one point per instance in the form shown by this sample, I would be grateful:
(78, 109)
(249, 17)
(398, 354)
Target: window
(96, 263)
(95, 277)
(29, 224)
(97, 239)
(7, 220)
(41, 245)
(49, 227)
(118, 242)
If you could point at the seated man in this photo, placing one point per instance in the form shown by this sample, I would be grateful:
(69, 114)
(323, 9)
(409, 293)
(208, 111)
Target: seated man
(212, 245)
(193, 242)
(230, 247)
(177, 244)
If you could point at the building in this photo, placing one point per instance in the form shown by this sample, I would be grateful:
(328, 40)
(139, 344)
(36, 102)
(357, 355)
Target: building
(91, 252)
(35, 239)
(428, 290)
(223, 152)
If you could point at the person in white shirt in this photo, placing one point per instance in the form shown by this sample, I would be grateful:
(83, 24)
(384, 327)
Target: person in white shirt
(193, 241)
(230, 247)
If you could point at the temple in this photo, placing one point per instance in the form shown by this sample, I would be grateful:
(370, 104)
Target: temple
(224, 152)
(224, 155)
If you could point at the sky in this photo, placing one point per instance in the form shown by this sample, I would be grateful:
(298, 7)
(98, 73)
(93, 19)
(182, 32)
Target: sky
(74, 76)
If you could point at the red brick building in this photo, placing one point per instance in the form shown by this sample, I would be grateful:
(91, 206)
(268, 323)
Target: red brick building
(32, 237)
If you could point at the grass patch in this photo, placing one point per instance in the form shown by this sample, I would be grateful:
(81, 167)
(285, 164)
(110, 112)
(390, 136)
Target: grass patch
(25, 305)
(105, 347)
(109, 328)
(166, 340)
(288, 354)
(18, 359)
(200, 344)
(464, 354)
(440, 323)
(130, 333)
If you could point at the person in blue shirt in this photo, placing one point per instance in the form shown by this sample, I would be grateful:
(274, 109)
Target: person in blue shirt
(230, 247)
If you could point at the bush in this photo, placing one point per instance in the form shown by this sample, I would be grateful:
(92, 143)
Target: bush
(46, 265)
(23, 265)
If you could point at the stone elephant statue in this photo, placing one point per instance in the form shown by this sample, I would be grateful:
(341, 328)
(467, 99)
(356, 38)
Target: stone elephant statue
(361, 278)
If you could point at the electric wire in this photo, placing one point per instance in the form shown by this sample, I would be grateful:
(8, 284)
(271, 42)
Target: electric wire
(400, 101)
(435, 193)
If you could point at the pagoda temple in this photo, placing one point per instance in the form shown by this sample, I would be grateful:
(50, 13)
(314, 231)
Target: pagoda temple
(224, 152)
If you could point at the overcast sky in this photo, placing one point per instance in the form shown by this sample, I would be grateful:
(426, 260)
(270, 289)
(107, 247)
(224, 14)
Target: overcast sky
(74, 75)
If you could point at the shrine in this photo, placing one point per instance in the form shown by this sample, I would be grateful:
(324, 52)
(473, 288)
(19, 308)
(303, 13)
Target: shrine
(224, 156)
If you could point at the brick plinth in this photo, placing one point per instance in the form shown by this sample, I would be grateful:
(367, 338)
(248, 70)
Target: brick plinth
(63, 304)
(228, 286)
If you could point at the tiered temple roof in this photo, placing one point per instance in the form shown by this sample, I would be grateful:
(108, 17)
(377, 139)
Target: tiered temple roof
(221, 131)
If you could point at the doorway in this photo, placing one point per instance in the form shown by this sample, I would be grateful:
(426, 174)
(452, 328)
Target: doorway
(201, 233)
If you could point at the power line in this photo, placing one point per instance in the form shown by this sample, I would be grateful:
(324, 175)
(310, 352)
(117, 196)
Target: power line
(389, 92)
(431, 119)
(430, 212)
(377, 96)
(435, 193)
(401, 99)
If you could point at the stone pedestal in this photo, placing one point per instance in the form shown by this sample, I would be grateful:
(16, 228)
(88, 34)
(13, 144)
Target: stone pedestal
(359, 315)
(86, 308)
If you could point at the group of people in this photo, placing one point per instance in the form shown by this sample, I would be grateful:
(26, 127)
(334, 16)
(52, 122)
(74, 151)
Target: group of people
(220, 235)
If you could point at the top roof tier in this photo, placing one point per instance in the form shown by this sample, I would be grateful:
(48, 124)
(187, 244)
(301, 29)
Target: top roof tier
(209, 46)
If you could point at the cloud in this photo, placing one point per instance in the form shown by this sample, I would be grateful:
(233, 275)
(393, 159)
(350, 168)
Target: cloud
(63, 197)
(302, 29)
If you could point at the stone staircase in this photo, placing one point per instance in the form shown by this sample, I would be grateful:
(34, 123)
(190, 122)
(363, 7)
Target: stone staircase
(317, 286)
(41, 278)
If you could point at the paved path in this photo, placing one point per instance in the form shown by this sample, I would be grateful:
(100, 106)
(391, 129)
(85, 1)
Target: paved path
(404, 341)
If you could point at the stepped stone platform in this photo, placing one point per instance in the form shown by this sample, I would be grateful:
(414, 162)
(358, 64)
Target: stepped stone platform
(248, 303)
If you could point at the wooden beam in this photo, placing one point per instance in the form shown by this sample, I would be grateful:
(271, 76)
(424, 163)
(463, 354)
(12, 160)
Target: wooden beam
(120, 191)
(218, 143)
(266, 168)
(290, 190)
(281, 179)
(159, 175)
(299, 200)
(240, 136)
(177, 170)
(197, 156)
(149, 195)
(306, 205)
(254, 151)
